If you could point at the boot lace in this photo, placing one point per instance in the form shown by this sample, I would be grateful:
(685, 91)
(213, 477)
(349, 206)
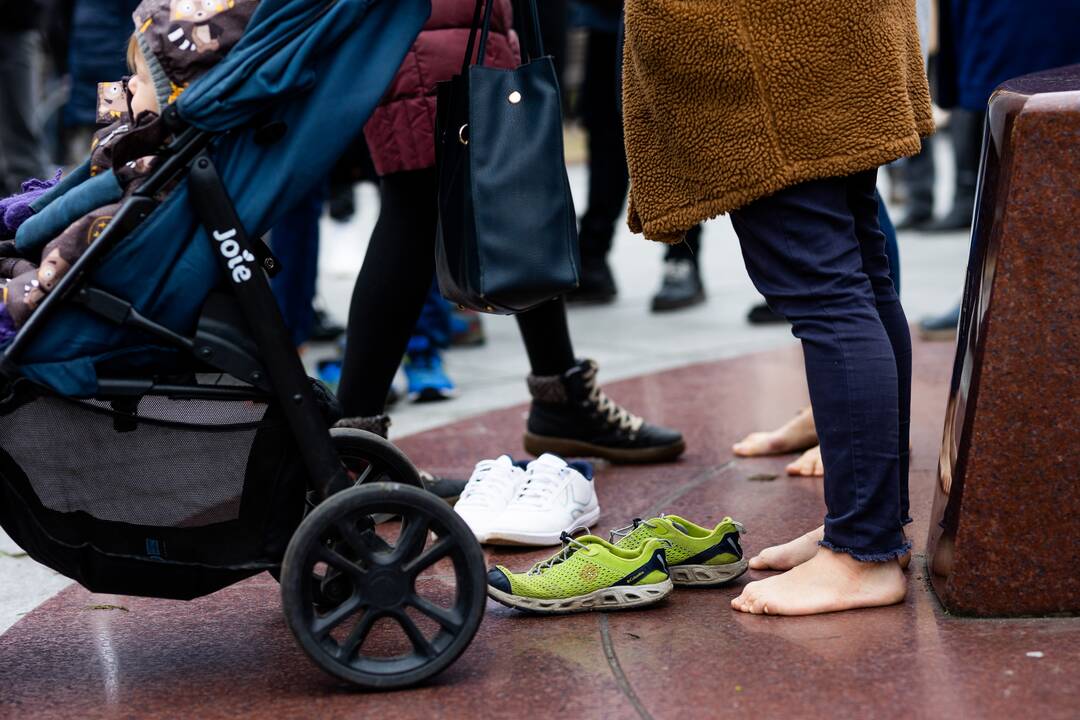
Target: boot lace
(613, 413)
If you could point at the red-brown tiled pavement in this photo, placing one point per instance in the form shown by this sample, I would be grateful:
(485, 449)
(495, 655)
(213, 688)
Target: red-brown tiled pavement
(230, 655)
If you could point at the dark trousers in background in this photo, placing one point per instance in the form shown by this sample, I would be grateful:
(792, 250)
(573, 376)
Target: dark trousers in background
(608, 176)
(817, 254)
(21, 152)
(609, 179)
(295, 242)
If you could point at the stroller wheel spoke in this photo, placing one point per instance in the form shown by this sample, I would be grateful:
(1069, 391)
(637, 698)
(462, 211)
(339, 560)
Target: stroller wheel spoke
(357, 635)
(413, 536)
(322, 626)
(416, 636)
(336, 560)
(432, 555)
(365, 543)
(363, 476)
(448, 618)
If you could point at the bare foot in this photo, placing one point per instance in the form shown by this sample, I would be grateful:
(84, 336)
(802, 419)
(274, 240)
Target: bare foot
(827, 582)
(790, 554)
(796, 434)
(808, 465)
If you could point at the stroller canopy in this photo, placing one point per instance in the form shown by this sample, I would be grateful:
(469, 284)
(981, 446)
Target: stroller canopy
(317, 66)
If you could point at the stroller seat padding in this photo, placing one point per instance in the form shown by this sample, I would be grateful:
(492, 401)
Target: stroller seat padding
(54, 218)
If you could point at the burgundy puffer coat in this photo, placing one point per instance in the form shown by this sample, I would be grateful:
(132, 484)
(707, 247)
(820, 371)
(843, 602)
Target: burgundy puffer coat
(401, 131)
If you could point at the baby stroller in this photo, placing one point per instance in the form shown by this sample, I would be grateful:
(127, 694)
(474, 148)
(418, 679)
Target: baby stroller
(159, 434)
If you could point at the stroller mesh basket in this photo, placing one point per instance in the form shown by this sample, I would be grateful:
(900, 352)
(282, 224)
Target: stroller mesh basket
(158, 496)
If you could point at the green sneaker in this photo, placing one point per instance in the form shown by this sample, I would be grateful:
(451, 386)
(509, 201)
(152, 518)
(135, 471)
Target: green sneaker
(695, 555)
(587, 574)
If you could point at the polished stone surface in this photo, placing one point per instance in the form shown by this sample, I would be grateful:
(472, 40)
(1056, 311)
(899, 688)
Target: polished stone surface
(230, 655)
(1006, 533)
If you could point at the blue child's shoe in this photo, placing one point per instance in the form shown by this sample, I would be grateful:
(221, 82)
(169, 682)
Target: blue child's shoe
(428, 381)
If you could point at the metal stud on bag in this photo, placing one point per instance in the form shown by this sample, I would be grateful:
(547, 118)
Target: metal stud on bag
(514, 97)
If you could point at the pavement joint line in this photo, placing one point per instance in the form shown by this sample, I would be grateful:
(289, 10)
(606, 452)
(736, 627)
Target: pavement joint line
(695, 482)
(616, 669)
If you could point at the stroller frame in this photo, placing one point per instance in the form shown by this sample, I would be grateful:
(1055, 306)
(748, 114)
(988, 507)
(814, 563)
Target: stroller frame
(362, 572)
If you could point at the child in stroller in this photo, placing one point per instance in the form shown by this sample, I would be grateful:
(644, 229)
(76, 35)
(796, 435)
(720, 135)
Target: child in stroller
(196, 450)
(175, 42)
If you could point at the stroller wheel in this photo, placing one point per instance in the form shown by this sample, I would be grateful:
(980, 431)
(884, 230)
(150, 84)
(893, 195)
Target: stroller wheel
(383, 605)
(371, 458)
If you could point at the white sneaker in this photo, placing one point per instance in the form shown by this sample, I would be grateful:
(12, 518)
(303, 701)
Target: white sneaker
(492, 486)
(555, 498)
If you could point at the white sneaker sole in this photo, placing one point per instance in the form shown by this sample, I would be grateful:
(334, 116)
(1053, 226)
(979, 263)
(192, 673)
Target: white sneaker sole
(622, 597)
(705, 575)
(505, 536)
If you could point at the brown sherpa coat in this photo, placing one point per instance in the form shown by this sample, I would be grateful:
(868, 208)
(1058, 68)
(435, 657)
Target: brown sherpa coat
(726, 101)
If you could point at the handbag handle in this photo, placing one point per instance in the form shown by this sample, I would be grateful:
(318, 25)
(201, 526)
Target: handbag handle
(481, 23)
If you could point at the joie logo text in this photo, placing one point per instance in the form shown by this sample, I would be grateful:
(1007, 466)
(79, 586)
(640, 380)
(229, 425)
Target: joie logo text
(238, 259)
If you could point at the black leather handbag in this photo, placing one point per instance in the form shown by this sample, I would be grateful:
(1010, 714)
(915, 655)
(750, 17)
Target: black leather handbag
(507, 236)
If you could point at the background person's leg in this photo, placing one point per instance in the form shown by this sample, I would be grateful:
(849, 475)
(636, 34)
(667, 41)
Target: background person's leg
(681, 285)
(609, 178)
(21, 149)
(390, 290)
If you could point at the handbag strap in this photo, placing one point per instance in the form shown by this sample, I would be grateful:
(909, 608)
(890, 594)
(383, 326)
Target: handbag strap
(481, 26)
(532, 45)
(529, 21)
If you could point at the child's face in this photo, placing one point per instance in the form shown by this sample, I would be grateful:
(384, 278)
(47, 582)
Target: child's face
(141, 87)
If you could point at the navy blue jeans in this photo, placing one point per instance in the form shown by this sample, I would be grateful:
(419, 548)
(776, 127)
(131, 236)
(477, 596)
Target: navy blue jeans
(817, 254)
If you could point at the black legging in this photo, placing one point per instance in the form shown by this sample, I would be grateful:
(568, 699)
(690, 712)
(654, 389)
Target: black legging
(390, 292)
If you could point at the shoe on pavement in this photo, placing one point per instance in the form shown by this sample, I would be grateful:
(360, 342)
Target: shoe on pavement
(917, 218)
(696, 556)
(323, 329)
(762, 314)
(493, 484)
(681, 287)
(572, 417)
(587, 574)
(940, 327)
(428, 381)
(554, 497)
(596, 284)
(466, 328)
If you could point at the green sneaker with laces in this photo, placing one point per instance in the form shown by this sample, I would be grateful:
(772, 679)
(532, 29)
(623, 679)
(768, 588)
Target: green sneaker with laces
(696, 556)
(589, 573)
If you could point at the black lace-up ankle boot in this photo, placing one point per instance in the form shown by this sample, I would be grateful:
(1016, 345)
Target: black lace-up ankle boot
(571, 416)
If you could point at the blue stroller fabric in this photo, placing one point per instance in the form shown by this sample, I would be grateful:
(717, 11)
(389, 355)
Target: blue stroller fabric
(318, 66)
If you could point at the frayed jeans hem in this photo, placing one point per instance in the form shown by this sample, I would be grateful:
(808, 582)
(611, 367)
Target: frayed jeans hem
(868, 557)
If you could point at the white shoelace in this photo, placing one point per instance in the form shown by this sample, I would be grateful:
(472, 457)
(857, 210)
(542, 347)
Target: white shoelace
(482, 488)
(540, 486)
